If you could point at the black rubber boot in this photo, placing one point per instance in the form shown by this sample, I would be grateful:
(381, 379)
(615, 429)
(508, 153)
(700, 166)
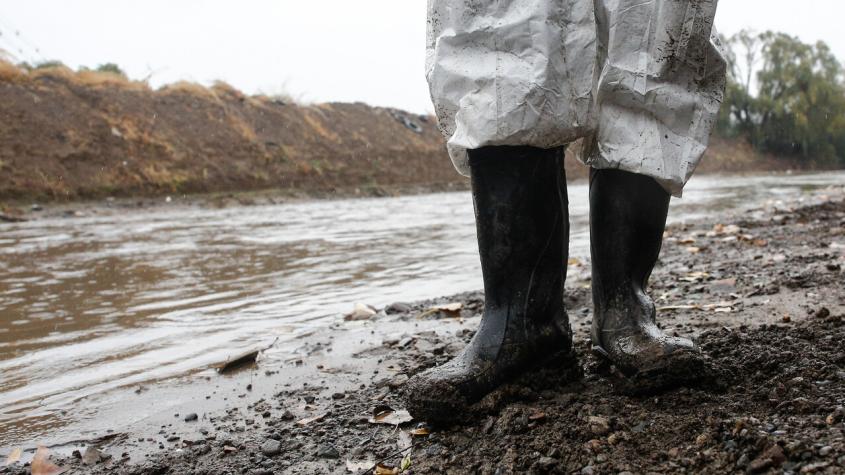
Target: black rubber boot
(523, 231)
(627, 220)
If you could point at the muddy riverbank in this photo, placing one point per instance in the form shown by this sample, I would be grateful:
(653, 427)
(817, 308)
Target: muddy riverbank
(762, 291)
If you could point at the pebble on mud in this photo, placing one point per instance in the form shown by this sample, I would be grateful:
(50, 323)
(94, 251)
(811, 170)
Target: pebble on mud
(271, 447)
(191, 417)
(599, 425)
(326, 451)
(92, 455)
(397, 307)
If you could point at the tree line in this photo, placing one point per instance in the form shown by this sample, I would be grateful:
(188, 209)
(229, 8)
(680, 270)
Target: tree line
(785, 97)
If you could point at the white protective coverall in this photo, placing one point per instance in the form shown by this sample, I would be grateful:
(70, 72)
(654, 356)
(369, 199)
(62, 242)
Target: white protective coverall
(640, 80)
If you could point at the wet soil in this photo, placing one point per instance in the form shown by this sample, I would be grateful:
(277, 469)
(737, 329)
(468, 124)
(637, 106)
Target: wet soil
(763, 295)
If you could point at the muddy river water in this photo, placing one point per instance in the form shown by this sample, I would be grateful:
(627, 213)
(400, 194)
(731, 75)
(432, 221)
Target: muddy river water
(92, 305)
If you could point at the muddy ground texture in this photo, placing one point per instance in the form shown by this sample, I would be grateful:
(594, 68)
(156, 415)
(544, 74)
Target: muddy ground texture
(763, 294)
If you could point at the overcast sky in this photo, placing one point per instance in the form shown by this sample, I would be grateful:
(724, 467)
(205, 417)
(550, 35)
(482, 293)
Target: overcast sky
(318, 50)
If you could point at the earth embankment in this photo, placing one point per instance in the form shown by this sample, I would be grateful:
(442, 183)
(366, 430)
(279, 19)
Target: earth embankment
(68, 135)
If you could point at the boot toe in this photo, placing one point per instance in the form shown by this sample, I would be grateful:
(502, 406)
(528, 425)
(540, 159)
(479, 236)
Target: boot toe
(646, 353)
(674, 344)
(435, 396)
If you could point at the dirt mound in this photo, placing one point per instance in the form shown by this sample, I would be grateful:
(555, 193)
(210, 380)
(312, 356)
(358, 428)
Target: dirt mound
(89, 134)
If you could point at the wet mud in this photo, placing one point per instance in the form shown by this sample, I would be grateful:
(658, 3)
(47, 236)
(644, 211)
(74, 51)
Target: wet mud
(761, 293)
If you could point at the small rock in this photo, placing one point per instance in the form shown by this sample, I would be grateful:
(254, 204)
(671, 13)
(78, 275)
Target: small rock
(593, 445)
(397, 307)
(588, 470)
(287, 416)
(434, 450)
(326, 451)
(759, 465)
(360, 312)
(338, 396)
(397, 381)
(191, 417)
(271, 447)
(772, 457)
(547, 462)
(599, 425)
(91, 456)
(309, 399)
(825, 451)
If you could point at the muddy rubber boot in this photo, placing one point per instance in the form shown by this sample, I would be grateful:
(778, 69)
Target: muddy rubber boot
(523, 230)
(627, 220)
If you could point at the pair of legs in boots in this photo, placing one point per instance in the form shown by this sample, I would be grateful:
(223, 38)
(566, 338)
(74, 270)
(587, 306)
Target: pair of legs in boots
(522, 221)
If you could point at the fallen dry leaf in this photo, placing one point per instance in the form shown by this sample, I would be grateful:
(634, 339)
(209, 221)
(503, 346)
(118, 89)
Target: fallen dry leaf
(420, 432)
(451, 309)
(14, 456)
(382, 469)
(238, 361)
(406, 463)
(308, 420)
(693, 249)
(719, 307)
(387, 415)
(537, 416)
(41, 464)
(356, 466)
(678, 307)
(574, 261)
(726, 229)
(695, 276)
